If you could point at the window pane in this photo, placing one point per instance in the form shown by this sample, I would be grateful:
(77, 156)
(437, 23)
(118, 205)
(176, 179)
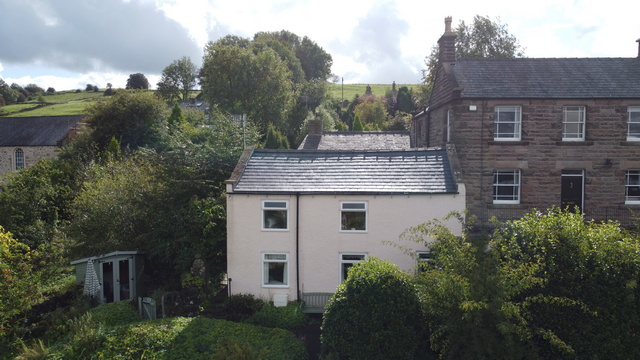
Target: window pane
(353, 206)
(275, 219)
(282, 257)
(19, 159)
(507, 122)
(632, 188)
(573, 122)
(275, 204)
(506, 186)
(352, 257)
(634, 122)
(354, 220)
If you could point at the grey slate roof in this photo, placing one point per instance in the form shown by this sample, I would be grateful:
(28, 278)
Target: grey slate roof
(358, 140)
(352, 172)
(35, 131)
(548, 77)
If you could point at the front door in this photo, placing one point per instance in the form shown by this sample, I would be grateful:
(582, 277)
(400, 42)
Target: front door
(572, 192)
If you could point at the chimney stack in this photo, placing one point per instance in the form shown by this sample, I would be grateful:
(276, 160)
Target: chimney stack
(314, 126)
(638, 41)
(447, 43)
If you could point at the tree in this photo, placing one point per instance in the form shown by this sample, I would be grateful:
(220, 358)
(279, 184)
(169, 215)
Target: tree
(275, 139)
(176, 119)
(547, 286)
(51, 90)
(89, 88)
(8, 94)
(483, 38)
(374, 314)
(137, 81)
(357, 124)
(133, 118)
(177, 79)
(240, 81)
(371, 112)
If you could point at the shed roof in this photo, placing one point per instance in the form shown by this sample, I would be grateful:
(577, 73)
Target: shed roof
(36, 131)
(548, 77)
(357, 140)
(353, 172)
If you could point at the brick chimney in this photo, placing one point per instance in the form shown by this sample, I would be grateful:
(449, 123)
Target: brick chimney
(314, 126)
(447, 44)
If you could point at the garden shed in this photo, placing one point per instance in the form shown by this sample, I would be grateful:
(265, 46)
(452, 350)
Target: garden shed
(112, 277)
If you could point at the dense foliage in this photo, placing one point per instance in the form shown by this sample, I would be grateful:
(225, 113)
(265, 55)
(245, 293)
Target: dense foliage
(374, 314)
(137, 81)
(550, 285)
(177, 80)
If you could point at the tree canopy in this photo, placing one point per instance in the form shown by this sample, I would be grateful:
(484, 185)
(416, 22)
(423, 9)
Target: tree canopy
(177, 80)
(137, 81)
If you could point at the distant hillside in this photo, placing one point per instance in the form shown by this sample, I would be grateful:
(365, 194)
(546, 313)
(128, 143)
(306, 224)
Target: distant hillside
(70, 102)
(350, 90)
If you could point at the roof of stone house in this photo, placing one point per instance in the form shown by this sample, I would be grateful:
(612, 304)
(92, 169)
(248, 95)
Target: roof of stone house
(357, 140)
(567, 78)
(36, 131)
(334, 171)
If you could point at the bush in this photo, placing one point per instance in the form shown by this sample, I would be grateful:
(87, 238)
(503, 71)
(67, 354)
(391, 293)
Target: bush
(288, 317)
(242, 306)
(374, 314)
(114, 314)
(204, 338)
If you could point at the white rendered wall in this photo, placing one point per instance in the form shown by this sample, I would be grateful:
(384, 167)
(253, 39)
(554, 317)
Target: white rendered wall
(321, 242)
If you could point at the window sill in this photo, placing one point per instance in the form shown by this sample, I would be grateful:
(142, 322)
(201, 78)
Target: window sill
(509, 142)
(274, 230)
(353, 231)
(275, 286)
(505, 206)
(574, 143)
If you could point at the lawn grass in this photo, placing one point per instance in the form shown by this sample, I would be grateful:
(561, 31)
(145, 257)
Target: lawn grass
(63, 103)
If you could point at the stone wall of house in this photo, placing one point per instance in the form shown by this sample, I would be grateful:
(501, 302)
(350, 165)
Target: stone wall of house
(541, 155)
(31, 155)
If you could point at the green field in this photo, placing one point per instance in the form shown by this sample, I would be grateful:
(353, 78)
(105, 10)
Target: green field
(59, 104)
(350, 90)
(74, 103)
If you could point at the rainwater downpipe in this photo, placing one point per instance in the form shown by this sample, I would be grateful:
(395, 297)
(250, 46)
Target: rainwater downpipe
(298, 246)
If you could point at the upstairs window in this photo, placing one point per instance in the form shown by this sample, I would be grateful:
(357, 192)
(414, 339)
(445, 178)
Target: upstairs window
(507, 120)
(573, 121)
(275, 215)
(632, 187)
(18, 156)
(506, 186)
(353, 216)
(424, 257)
(633, 124)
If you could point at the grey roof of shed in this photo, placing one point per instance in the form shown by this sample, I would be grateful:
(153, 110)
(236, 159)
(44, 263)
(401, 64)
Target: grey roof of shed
(36, 131)
(548, 77)
(357, 140)
(352, 172)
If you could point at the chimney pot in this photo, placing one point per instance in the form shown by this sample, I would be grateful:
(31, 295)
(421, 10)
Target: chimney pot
(447, 25)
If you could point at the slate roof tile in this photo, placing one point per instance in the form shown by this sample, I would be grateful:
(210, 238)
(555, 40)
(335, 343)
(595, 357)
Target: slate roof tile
(35, 131)
(548, 77)
(358, 140)
(326, 171)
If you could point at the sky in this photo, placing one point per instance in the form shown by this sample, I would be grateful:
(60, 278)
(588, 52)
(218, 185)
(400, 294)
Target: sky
(67, 44)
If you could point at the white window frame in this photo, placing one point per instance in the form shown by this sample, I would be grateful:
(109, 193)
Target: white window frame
(497, 184)
(633, 121)
(270, 258)
(354, 207)
(349, 263)
(18, 159)
(634, 186)
(271, 205)
(567, 121)
(422, 257)
(516, 135)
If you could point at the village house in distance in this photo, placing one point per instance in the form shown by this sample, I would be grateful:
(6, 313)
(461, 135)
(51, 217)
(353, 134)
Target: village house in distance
(531, 133)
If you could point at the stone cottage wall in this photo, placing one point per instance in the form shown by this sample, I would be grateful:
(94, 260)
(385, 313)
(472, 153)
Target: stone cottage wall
(31, 155)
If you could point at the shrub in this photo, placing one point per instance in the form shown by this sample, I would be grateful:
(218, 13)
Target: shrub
(51, 90)
(374, 314)
(113, 314)
(288, 317)
(242, 306)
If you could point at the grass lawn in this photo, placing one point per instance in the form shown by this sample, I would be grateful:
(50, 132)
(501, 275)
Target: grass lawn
(59, 104)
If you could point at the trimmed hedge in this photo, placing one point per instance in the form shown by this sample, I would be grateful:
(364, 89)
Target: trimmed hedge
(288, 317)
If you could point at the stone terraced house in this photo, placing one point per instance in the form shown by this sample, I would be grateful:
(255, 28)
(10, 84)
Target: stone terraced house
(531, 133)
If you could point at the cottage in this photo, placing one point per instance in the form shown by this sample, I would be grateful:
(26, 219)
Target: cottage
(533, 133)
(25, 140)
(298, 219)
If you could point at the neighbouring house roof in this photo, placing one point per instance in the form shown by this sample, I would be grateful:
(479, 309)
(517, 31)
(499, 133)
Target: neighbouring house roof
(36, 131)
(333, 171)
(357, 140)
(547, 77)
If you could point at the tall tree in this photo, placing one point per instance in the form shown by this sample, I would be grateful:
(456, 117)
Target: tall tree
(177, 79)
(239, 81)
(137, 81)
(483, 38)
